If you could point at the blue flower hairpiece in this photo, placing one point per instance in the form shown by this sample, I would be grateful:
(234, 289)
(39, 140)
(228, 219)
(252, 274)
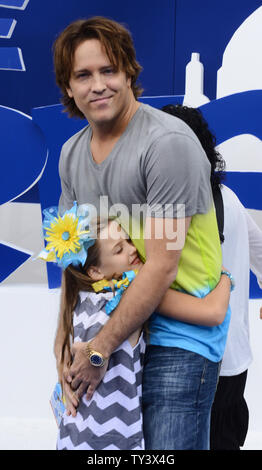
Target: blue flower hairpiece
(68, 237)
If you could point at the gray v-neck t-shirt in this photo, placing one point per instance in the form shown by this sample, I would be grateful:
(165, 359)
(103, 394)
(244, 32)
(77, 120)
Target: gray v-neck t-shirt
(157, 162)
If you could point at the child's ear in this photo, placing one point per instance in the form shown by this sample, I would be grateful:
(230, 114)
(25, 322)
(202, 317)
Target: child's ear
(95, 273)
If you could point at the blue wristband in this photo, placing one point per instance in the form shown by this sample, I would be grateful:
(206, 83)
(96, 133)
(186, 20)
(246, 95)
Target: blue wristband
(227, 273)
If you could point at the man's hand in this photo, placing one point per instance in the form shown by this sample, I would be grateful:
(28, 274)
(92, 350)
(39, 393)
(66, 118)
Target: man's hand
(82, 375)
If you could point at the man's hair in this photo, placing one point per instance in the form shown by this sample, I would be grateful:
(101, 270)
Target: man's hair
(194, 119)
(114, 38)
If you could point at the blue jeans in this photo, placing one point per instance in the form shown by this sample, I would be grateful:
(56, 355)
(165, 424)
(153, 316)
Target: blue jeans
(178, 391)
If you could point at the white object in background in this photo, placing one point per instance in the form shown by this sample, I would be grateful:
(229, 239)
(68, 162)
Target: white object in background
(242, 153)
(21, 225)
(242, 71)
(17, 5)
(194, 96)
(242, 60)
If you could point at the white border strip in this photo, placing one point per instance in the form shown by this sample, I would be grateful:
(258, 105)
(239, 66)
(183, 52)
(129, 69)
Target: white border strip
(17, 248)
(20, 55)
(34, 182)
(11, 30)
(21, 60)
(43, 169)
(23, 7)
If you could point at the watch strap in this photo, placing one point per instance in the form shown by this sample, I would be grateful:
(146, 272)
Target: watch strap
(95, 356)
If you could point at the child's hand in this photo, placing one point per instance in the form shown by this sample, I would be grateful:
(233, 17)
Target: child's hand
(71, 398)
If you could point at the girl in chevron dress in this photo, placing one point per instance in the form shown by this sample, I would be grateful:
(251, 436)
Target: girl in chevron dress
(97, 270)
(112, 419)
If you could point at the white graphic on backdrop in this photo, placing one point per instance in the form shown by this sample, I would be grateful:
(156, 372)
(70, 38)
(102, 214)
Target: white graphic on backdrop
(11, 58)
(7, 26)
(242, 153)
(15, 4)
(194, 94)
(242, 71)
(242, 60)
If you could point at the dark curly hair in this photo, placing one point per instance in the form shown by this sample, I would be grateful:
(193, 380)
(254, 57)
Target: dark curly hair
(194, 119)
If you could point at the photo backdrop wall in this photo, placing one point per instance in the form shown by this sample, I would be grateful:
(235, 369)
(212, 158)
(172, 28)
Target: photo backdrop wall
(201, 53)
(225, 37)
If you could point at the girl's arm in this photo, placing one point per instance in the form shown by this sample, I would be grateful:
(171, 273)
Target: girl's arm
(206, 311)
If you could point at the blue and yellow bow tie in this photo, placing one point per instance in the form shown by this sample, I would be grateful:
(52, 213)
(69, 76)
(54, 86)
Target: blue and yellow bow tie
(116, 286)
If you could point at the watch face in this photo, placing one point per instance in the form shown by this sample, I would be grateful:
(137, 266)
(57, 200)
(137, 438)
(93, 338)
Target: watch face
(96, 360)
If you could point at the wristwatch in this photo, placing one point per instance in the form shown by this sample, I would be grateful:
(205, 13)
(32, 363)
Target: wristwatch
(96, 358)
(227, 273)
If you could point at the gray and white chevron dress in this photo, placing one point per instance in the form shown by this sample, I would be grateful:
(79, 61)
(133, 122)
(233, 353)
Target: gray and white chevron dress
(112, 419)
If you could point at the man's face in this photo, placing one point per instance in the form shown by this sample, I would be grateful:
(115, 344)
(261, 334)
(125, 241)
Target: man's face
(99, 91)
(117, 253)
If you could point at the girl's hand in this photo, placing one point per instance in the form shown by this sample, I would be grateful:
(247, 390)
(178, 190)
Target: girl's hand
(71, 398)
(224, 269)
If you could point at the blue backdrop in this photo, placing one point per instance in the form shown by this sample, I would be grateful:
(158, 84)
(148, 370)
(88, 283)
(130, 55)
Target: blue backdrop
(165, 34)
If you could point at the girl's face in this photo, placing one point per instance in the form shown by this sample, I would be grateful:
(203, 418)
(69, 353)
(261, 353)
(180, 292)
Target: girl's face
(117, 252)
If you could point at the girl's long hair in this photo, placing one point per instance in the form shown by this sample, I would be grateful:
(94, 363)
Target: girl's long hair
(75, 280)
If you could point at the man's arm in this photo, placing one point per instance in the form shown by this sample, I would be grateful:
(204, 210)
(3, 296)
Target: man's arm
(140, 300)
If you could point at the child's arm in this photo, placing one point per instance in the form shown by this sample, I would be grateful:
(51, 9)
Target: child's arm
(206, 311)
